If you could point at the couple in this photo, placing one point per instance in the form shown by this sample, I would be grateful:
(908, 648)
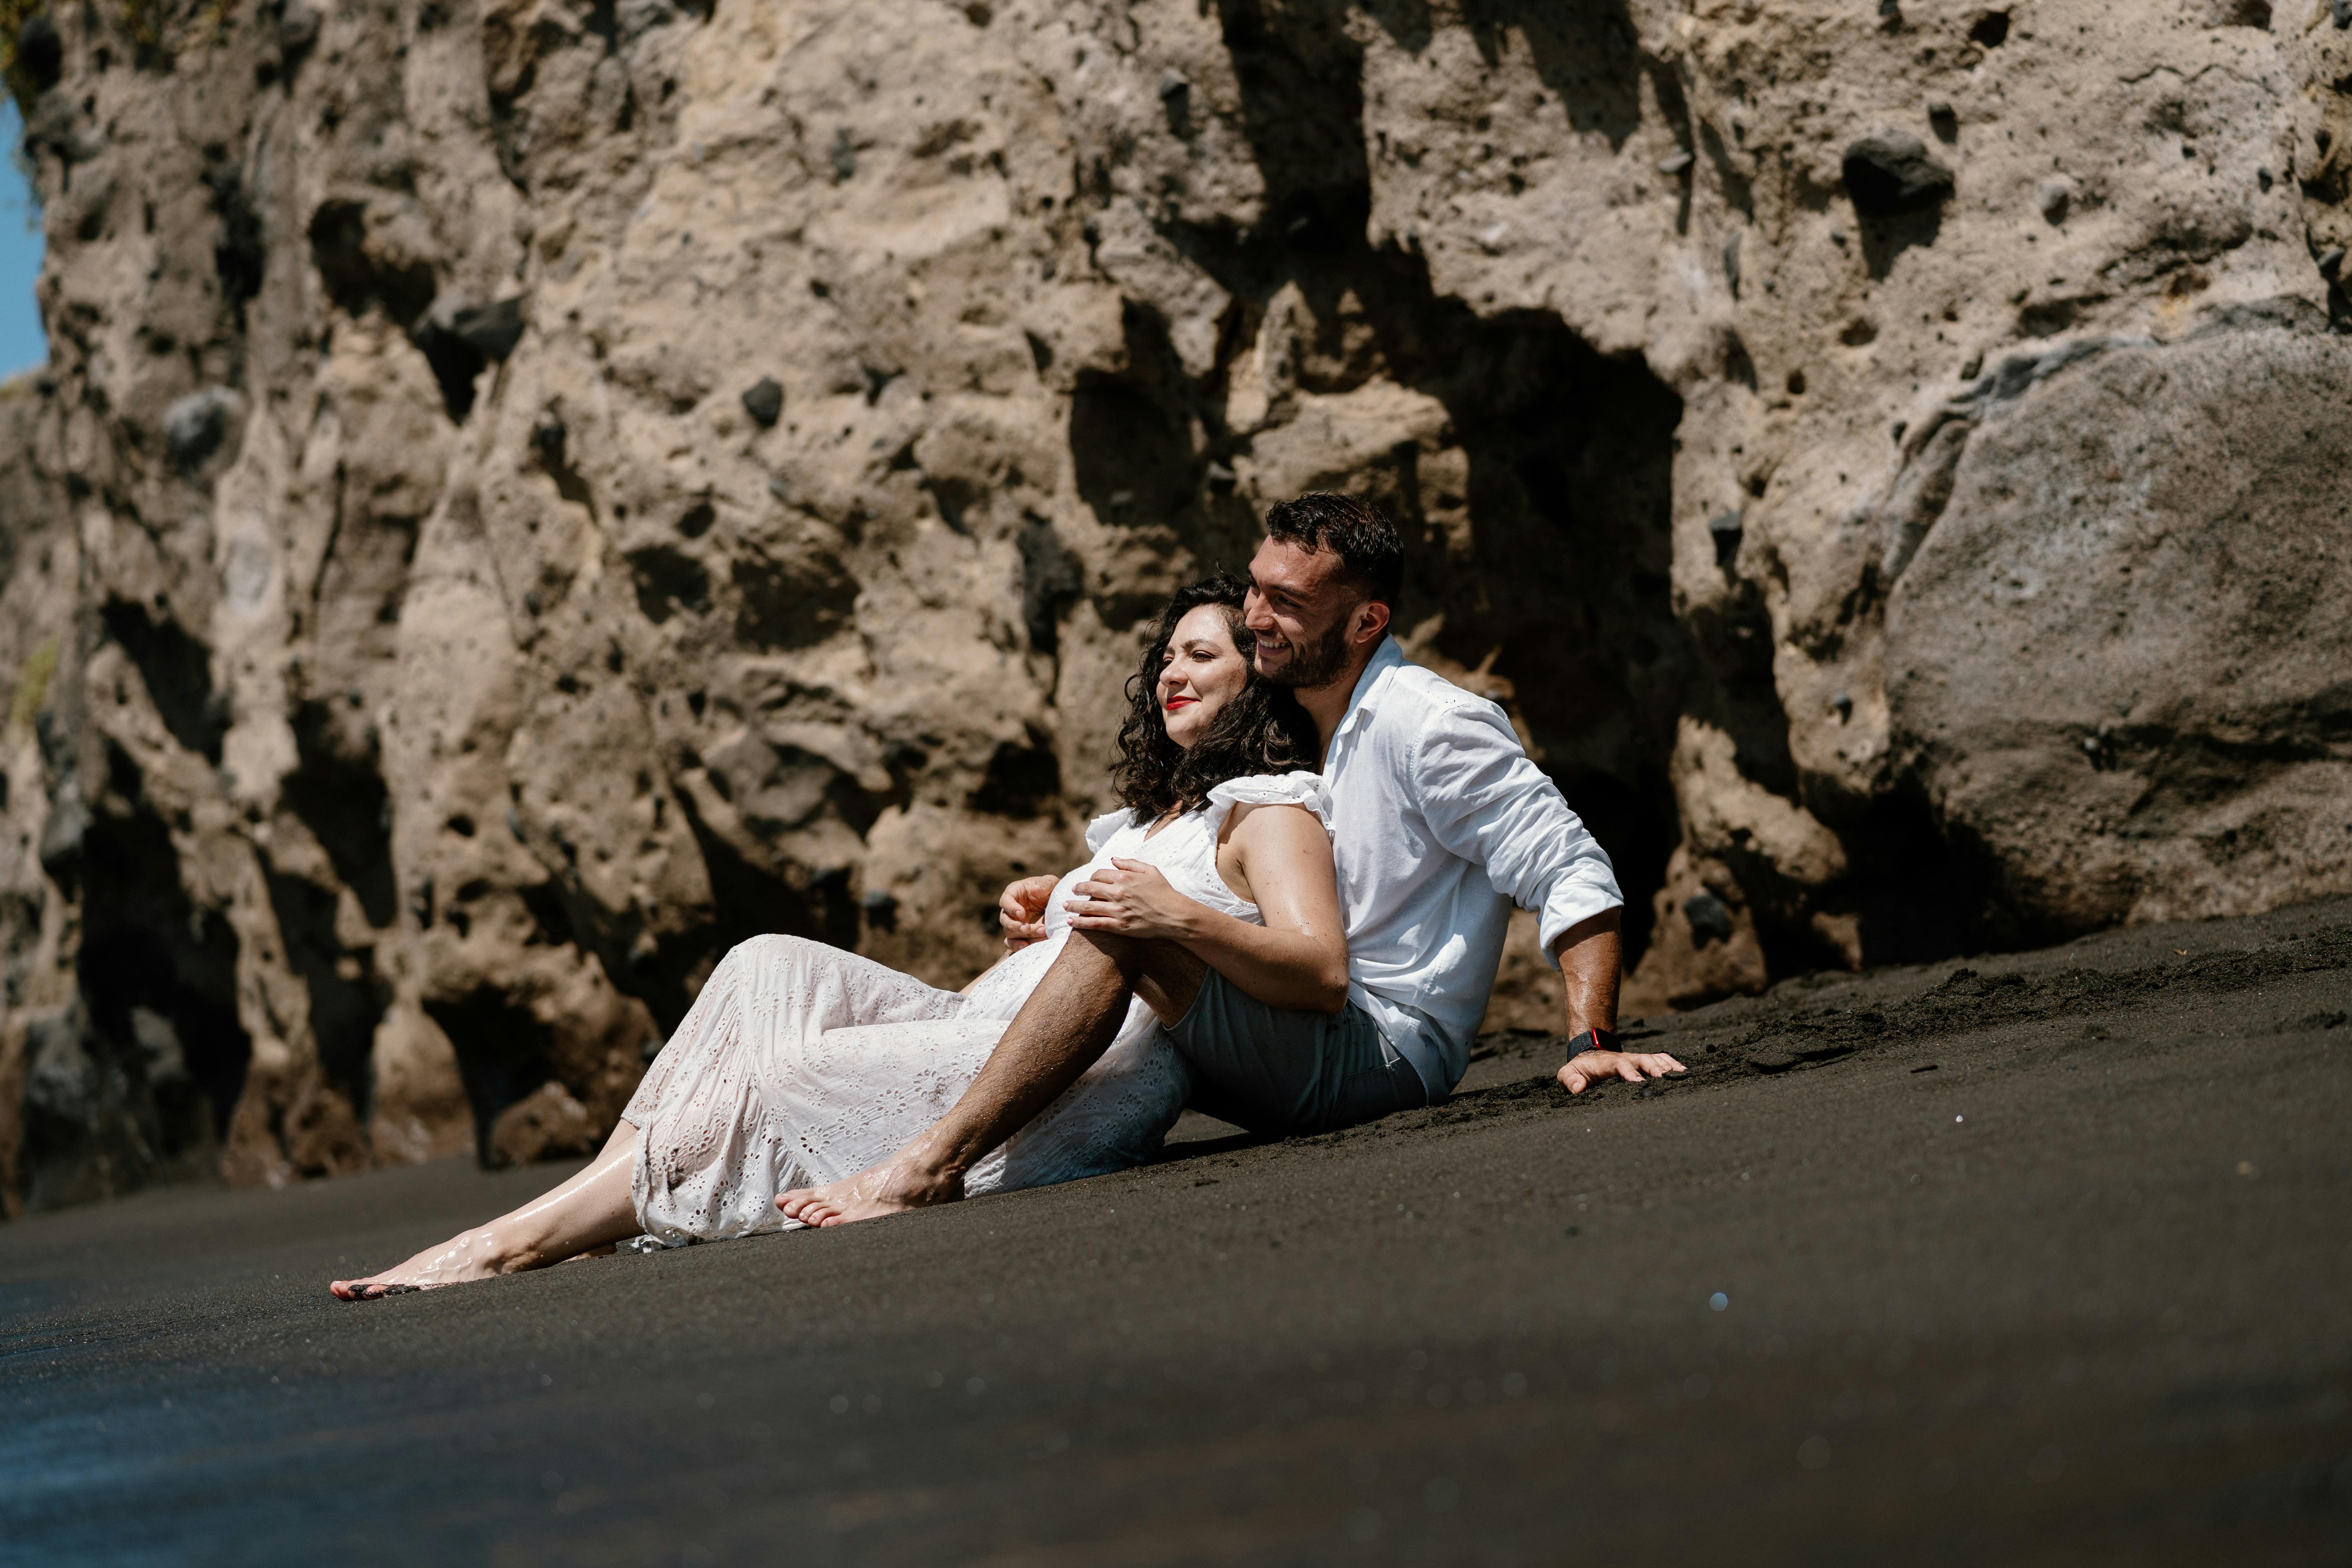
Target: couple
(1293, 925)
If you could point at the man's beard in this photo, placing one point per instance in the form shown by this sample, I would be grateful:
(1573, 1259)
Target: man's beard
(1315, 666)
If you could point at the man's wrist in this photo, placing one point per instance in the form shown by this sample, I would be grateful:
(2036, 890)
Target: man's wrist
(1592, 1040)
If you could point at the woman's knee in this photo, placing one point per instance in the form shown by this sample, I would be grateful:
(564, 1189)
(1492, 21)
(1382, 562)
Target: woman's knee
(775, 947)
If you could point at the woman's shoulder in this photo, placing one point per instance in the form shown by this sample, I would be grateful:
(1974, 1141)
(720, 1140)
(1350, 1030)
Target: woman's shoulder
(1300, 789)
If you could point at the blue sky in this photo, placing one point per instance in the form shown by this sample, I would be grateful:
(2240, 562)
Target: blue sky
(23, 344)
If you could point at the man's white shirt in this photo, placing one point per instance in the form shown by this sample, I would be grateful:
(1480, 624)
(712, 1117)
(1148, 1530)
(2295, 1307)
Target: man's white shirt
(1439, 823)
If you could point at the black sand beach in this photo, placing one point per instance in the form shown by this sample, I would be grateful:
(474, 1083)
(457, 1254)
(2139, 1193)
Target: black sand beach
(2051, 1263)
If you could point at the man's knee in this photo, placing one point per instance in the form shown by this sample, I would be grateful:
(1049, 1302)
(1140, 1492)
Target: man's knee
(1165, 976)
(1129, 955)
(1137, 956)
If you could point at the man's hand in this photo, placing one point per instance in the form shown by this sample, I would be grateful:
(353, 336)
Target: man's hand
(1132, 898)
(1021, 911)
(1589, 1068)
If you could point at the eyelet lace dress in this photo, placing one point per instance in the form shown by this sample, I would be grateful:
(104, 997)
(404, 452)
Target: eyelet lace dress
(800, 1063)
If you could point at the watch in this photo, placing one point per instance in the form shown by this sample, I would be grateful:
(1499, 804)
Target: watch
(1592, 1040)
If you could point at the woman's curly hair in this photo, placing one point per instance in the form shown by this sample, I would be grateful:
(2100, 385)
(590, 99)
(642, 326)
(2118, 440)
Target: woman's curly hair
(1262, 730)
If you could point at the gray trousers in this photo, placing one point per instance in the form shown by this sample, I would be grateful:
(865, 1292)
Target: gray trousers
(1280, 1070)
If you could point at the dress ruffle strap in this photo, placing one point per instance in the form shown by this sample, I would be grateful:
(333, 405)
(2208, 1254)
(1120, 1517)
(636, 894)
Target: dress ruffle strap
(1268, 789)
(1102, 829)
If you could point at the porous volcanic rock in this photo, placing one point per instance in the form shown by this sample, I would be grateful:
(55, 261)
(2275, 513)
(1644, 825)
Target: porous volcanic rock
(528, 492)
(2122, 662)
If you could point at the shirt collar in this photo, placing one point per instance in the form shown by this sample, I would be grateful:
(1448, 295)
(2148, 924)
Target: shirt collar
(1366, 697)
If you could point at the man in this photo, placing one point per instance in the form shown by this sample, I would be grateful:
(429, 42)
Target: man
(1439, 823)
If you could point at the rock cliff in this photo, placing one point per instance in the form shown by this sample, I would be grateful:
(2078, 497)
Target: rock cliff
(527, 492)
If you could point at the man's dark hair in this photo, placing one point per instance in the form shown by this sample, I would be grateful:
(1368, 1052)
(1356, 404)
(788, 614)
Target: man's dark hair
(1354, 531)
(1262, 729)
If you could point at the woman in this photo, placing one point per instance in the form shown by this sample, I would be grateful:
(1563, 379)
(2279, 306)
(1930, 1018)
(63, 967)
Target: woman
(799, 1063)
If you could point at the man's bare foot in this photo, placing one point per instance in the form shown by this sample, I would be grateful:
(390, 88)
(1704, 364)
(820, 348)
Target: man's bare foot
(891, 1188)
(471, 1255)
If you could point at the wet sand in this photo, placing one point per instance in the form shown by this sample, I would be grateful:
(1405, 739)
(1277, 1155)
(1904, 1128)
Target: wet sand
(2049, 1263)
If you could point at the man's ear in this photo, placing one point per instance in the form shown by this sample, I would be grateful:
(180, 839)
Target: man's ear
(1371, 622)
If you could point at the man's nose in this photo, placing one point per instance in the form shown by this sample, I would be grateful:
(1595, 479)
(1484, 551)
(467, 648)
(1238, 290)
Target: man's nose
(1254, 613)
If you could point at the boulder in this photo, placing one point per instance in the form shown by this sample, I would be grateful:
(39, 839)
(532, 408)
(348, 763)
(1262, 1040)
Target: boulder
(2120, 664)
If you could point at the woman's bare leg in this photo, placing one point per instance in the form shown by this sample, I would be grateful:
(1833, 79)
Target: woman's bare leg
(594, 1209)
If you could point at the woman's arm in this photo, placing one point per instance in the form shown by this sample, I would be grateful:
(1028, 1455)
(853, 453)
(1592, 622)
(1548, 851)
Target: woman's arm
(1283, 860)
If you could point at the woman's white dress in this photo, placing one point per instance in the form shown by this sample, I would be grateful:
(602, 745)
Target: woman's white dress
(800, 1063)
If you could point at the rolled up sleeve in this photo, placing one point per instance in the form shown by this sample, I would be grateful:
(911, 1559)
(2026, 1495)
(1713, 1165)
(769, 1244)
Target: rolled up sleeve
(1487, 802)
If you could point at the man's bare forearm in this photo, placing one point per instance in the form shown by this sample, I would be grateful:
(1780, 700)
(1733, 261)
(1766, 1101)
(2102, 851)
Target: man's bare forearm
(1591, 957)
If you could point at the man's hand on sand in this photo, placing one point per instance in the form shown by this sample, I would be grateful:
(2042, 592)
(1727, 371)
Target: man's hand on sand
(1589, 1068)
(1021, 911)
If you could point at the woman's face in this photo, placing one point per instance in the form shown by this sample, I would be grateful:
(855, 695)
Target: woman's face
(1202, 672)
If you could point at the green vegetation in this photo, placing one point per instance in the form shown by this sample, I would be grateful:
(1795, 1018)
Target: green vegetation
(14, 15)
(143, 24)
(32, 685)
(142, 20)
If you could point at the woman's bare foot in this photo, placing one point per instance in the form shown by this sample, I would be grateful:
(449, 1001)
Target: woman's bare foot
(584, 1217)
(892, 1187)
(470, 1255)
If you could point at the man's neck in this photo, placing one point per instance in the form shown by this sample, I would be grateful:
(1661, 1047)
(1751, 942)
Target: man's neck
(1327, 704)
